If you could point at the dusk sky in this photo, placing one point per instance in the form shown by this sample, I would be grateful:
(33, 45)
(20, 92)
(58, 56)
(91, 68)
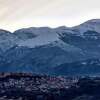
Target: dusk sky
(15, 14)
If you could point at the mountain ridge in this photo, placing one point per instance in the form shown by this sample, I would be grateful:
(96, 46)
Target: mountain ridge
(44, 49)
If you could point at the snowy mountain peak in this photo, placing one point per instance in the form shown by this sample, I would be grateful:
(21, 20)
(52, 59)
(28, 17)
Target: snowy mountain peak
(4, 31)
(92, 25)
(94, 21)
(38, 36)
(32, 36)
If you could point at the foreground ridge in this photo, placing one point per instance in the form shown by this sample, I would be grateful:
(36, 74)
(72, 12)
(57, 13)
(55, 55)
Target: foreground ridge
(23, 86)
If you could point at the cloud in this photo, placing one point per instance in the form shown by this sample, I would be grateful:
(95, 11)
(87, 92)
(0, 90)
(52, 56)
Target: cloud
(16, 14)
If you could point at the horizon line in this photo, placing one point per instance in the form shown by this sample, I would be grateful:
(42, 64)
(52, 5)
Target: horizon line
(47, 26)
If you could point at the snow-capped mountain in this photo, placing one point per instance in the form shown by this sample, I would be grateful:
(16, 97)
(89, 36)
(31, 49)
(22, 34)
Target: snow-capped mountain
(32, 37)
(43, 35)
(42, 49)
(7, 40)
(92, 25)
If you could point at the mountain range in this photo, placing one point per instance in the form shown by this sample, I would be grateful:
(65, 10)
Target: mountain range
(55, 51)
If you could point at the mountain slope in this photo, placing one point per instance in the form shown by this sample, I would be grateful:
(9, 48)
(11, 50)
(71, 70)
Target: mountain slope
(43, 50)
(39, 59)
(7, 40)
(84, 67)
